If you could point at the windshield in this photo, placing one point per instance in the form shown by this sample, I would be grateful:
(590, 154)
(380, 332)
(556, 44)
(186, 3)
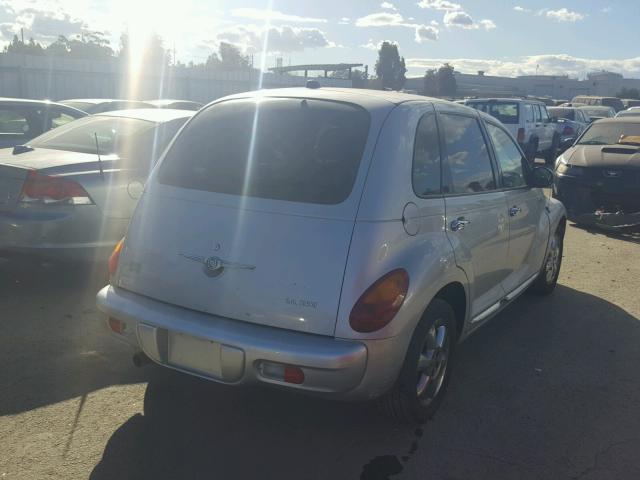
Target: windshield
(281, 148)
(113, 135)
(506, 112)
(562, 113)
(600, 112)
(609, 133)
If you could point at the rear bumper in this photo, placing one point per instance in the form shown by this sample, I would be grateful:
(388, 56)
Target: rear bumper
(344, 369)
(81, 233)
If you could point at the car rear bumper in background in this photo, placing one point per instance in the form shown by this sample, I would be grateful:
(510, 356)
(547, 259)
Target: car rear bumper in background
(339, 368)
(79, 233)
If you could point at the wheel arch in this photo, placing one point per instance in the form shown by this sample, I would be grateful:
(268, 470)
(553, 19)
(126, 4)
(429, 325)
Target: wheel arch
(455, 295)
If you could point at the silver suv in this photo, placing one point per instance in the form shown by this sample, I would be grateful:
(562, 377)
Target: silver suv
(336, 242)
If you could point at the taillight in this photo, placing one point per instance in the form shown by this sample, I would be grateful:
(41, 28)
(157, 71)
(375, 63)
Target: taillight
(39, 188)
(115, 257)
(520, 137)
(377, 306)
(568, 130)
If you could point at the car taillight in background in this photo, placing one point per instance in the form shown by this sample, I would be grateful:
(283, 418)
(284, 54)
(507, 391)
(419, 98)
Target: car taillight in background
(377, 306)
(115, 257)
(568, 131)
(39, 188)
(520, 137)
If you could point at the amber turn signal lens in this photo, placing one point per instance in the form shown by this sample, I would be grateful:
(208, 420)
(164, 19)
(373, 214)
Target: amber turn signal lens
(115, 256)
(377, 306)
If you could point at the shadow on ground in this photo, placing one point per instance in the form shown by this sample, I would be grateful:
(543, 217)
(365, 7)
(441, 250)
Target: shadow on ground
(627, 234)
(548, 390)
(54, 344)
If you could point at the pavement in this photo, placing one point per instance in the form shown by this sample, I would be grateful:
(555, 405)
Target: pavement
(549, 389)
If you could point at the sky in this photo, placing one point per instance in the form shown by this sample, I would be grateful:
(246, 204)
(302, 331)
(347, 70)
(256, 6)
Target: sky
(505, 37)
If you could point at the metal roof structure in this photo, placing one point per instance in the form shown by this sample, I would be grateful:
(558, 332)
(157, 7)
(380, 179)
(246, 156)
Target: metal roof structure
(322, 67)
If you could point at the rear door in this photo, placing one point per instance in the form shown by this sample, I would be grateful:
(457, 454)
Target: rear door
(249, 215)
(525, 210)
(476, 221)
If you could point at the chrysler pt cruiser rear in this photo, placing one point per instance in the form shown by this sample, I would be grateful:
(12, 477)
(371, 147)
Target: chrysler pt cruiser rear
(299, 238)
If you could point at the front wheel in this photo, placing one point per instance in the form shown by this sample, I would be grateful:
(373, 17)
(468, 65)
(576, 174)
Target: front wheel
(427, 367)
(548, 276)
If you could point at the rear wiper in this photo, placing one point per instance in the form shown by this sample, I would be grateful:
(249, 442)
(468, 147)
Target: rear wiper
(592, 142)
(18, 149)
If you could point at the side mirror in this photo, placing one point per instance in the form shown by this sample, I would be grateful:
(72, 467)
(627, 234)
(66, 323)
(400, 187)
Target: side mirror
(541, 177)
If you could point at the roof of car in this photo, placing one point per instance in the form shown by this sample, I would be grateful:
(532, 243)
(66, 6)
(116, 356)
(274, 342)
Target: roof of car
(505, 99)
(96, 101)
(167, 101)
(158, 115)
(29, 100)
(629, 119)
(363, 97)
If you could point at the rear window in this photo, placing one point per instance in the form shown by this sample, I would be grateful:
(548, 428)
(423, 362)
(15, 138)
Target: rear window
(506, 112)
(562, 113)
(291, 149)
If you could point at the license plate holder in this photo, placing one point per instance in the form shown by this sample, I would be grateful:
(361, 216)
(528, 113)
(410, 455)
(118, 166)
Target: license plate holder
(195, 354)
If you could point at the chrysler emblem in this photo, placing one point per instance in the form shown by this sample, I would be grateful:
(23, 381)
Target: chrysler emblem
(612, 173)
(215, 266)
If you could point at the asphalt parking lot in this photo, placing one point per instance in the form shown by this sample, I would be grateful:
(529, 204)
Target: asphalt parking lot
(550, 389)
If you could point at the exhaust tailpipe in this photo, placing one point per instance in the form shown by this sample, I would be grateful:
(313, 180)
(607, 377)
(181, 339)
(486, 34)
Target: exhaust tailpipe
(140, 359)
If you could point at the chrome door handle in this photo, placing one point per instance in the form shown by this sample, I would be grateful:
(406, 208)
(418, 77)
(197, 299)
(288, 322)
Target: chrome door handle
(513, 211)
(459, 224)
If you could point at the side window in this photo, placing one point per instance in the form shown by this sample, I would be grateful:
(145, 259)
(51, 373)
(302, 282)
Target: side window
(536, 111)
(545, 114)
(426, 157)
(528, 112)
(13, 122)
(508, 156)
(468, 164)
(59, 118)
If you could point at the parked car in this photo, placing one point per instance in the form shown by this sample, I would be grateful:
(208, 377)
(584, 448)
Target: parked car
(596, 113)
(613, 102)
(630, 102)
(177, 104)
(629, 113)
(570, 123)
(21, 120)
(315, 247)
(101, 105)
(528, 121)
(69, 193)
(597, 179)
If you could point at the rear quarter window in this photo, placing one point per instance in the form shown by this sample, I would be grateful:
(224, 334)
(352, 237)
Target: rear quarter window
(291, 149)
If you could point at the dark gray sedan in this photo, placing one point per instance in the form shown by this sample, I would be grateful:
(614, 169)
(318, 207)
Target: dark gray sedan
(69, 194)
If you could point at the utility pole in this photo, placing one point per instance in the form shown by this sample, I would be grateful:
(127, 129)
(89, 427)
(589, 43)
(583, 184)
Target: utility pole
(22, 35)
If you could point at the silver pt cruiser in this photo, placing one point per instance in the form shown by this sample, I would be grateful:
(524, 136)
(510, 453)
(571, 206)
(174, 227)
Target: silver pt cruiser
(334, 241)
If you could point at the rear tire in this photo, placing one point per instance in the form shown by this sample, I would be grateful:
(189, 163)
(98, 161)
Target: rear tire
(551, 154)
(548, 276)
(532, 151)
(424, 377)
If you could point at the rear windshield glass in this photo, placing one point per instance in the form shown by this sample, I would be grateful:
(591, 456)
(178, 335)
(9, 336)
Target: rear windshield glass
(108, 134)
(506, 112)
(562, 113)
(602, 112)
(84, 106)
(298, 150)
(611, 134)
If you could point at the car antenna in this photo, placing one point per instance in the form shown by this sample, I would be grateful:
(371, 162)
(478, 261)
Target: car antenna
(95, 135)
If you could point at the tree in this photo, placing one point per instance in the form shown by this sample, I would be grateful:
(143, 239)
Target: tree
(18, 46)
(228, 57)
(447, 85)
(152, 53)
(89, 45)
(430, 85)
(631, 93)
(441, 82)
(390, 67)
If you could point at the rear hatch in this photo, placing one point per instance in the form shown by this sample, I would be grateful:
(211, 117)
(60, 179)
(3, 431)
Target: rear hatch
(250, 214)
